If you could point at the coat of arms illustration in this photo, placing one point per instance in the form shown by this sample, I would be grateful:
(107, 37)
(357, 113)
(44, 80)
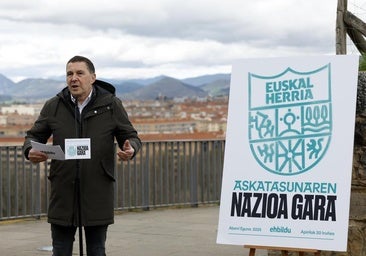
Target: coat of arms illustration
(290, 119)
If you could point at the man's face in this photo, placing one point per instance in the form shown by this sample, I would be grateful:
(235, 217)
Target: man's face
(79, 80)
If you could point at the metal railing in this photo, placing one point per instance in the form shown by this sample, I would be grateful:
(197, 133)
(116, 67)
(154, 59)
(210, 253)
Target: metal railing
(169, 173)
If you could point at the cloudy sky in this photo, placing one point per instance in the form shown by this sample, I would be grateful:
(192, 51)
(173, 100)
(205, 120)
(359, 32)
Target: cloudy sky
(147, 38)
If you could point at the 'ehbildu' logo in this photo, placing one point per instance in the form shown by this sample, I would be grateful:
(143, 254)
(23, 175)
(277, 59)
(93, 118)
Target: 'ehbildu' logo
(290, 119)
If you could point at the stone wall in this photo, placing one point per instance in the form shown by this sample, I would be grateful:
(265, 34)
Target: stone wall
(357, 218)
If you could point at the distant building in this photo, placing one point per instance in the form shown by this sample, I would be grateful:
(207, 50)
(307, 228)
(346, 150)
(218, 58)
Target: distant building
(18, 109)
(3, 120)
(154, 126)
(22, 120)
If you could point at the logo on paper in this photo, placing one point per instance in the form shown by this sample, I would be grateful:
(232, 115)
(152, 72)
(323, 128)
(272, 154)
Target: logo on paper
(290, 119)
(72, 151)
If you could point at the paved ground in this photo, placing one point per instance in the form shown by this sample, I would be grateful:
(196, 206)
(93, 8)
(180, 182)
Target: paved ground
(158, 232)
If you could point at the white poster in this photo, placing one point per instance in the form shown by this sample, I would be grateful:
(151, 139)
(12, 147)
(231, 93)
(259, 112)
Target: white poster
(288, 154)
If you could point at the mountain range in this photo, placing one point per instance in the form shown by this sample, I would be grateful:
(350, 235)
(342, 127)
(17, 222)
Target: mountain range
(37, 89)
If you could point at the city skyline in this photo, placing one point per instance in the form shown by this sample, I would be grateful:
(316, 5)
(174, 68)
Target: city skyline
(155, 120)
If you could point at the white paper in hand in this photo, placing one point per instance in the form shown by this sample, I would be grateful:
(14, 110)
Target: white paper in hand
(52, 151)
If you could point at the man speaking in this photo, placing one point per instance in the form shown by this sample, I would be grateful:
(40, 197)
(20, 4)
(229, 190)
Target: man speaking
(82, 190)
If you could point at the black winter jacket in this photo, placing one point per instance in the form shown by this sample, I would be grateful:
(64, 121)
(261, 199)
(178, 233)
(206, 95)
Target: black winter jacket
(103, 120)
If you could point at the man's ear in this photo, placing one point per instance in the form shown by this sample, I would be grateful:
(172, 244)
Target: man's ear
(94, 77)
